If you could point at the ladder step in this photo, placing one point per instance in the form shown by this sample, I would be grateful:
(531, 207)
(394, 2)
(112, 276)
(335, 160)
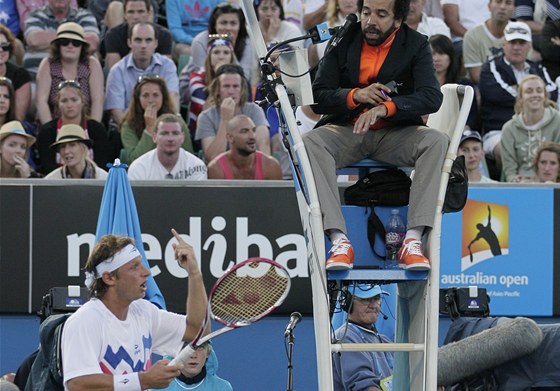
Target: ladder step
(377, 347)
(390, 275)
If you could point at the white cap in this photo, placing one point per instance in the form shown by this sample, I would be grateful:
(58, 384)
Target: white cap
(517, 30)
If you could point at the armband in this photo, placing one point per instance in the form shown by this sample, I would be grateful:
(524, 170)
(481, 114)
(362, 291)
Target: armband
(128, 382)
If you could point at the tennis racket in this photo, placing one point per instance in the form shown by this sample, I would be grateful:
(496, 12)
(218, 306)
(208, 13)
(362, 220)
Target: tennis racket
(247, 292)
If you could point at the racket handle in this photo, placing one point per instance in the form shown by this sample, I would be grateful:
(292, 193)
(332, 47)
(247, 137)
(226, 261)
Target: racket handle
(183, 355)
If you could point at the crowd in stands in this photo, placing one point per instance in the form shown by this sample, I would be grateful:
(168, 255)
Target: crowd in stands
(113, 68)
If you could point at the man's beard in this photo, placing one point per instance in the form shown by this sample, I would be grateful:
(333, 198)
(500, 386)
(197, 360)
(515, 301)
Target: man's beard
(382, 36)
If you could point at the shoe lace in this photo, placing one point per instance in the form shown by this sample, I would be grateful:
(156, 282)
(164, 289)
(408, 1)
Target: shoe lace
(340, 248)
(414, 247)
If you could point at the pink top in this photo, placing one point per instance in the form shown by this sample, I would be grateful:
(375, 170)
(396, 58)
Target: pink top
(223, 162)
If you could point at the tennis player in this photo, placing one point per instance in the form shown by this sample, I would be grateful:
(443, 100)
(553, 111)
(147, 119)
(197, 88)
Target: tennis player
(108, 342)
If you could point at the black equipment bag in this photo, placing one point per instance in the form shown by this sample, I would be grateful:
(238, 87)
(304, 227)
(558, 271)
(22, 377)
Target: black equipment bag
(389, 187)
(464, 301)
(457, 187)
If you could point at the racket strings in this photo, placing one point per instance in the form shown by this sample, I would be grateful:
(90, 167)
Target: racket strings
(241, 298)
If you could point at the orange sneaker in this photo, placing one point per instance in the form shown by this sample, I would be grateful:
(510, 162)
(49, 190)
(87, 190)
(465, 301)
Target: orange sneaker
(342, 255)
(411, 257)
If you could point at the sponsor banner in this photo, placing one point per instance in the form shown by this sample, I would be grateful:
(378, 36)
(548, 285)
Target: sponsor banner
(503, 241)
(224, 224)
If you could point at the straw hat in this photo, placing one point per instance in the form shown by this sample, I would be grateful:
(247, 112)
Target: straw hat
(70, 30)
(71, 133)
(15, 127)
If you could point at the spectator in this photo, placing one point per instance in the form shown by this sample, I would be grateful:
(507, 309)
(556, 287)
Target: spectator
(14, 151)
(448, 70)
(535, 13)
(24, 7)
(315, 13)
(194, 88)
(227, 97)
(293, 11)
(201, 374)
(424, 24)
(142, 60)
(115, 42)
(185, 20)
(550, 47)
(462, 15)
(535, 121)
(7, 100)
(485, 40)
(69, 60)
(72, 144)
(150, 99)
(471, 148)
(10, 19)
(336, 13)
(114, 319)
(499, 78)
(546, 163)
(168, 160)
(225, 19)
(70, 109)
(41, 25)
(242, 160)
(270, 14)
(362, 121)
(362, 370)
(19, 77)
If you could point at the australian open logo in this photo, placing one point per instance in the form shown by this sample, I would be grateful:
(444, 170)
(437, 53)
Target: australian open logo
(485, 232)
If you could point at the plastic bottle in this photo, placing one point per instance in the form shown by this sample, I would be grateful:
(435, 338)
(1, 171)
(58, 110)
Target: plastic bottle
(395, 231)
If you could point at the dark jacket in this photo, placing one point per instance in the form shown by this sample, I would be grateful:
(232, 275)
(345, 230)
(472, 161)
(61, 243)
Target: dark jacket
(498, 90)
(408, 63)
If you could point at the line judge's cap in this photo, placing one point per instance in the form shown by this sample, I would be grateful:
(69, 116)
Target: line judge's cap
(71, 133)
(366, 291)
(15, 127)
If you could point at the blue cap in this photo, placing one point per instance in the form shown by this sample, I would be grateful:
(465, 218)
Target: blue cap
(366, 291)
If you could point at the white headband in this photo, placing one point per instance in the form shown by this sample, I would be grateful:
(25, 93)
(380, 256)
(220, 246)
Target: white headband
(125, 255)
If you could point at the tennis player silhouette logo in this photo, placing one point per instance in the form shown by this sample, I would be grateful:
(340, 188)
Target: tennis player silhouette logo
(485, 232)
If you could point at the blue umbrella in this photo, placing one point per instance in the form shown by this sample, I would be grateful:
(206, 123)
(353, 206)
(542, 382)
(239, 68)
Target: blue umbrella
(118, 216)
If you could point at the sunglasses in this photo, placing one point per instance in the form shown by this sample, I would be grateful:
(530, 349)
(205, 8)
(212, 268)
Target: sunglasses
(6, 80)
(69, 83)
(6, 46)
(66, 42)
(148, 77)
(519, 30)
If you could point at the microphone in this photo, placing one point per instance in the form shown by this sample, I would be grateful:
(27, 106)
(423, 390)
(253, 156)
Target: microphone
(294, 319)
(490, 348)
(350, 20)
(385, 317)
(321, 33)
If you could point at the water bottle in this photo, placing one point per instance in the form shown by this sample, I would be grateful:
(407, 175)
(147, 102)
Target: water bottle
(395, 231)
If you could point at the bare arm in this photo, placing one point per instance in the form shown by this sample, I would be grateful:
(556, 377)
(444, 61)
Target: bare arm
(196, 298)
(158, 376)
(23, 99)
(314, 18)
(271, 168)
(117, 115)
(40, 41)
(93, 40)
(474, 74)
(111, 59)
(263, 139)
(42, 93)
(214, 170)
(451, 15)
(97, 92)
(213, 146)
